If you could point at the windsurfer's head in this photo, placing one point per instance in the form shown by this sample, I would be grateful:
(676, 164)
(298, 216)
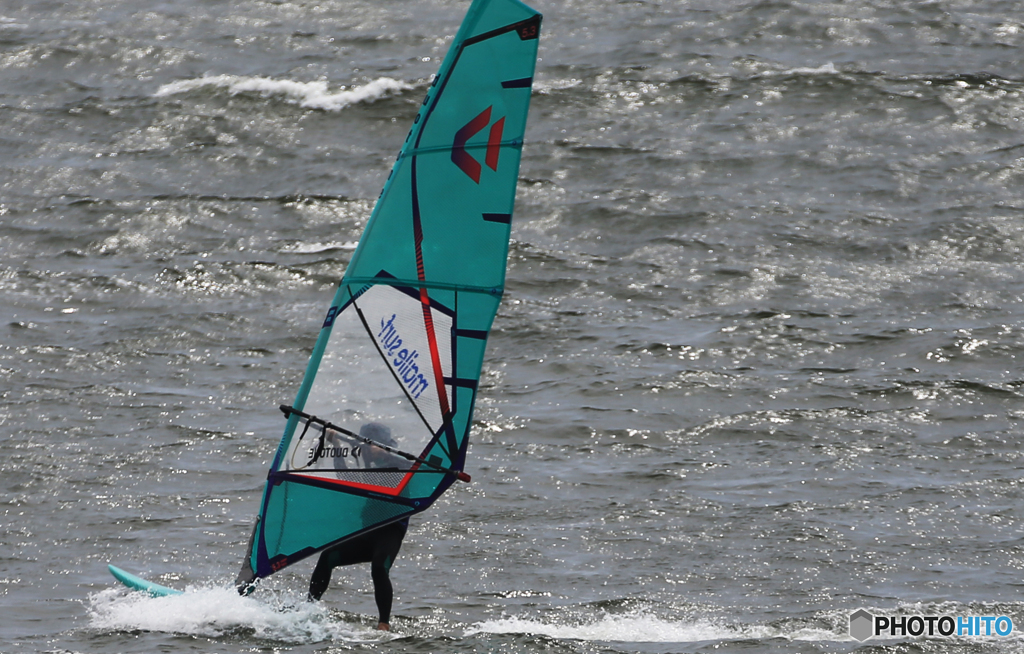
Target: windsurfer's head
(378, 433)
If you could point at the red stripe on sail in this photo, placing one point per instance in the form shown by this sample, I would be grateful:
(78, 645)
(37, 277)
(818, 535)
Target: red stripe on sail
(494, 144)
(384, 490)
(435, 355)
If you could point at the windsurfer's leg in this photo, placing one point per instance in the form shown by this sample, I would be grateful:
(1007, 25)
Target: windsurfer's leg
(389, 541)
(321, 578)
(354, 551)
(383, 592)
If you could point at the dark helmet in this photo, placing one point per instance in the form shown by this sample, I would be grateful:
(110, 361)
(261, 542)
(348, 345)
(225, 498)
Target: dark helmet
(378, 433)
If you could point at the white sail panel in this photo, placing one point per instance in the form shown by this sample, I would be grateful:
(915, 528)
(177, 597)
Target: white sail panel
(377, 381)
(417, 349)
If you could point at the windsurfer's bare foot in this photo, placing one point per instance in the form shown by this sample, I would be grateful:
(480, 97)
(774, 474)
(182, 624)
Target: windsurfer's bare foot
(383, 626)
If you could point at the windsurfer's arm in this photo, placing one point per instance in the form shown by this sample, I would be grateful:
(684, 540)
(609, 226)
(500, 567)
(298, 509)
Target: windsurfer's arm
(377, 457)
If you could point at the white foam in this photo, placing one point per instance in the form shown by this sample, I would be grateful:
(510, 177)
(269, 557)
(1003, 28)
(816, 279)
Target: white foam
(315, 248)
(635, 628)
(551, 86)
(212, 612)
(313, 95)
(825, 69)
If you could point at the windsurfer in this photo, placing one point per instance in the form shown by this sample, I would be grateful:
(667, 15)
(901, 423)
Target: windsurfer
(379, 547)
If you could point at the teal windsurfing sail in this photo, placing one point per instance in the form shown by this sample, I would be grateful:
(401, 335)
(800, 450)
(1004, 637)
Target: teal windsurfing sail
(380, 425)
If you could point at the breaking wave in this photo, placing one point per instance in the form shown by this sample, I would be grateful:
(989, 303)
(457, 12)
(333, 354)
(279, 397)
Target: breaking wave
(312, 95)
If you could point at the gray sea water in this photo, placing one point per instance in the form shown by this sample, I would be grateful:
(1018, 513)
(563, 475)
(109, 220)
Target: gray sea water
(758, 364)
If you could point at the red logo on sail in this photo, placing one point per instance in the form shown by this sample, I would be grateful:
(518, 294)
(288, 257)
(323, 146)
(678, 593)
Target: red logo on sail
(463, 159)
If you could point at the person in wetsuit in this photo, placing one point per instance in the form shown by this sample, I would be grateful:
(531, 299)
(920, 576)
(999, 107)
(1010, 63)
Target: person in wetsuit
(379, 547)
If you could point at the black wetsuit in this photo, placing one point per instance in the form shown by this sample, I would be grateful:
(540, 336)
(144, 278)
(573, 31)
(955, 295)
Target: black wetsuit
(378, 548)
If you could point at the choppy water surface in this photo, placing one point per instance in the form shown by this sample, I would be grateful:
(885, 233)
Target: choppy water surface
(757, 367)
